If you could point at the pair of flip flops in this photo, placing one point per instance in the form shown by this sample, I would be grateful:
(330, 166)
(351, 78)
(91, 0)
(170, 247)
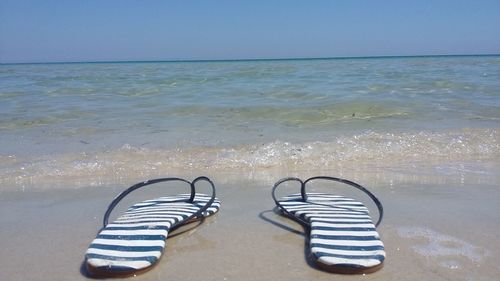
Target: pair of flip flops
(342, 236)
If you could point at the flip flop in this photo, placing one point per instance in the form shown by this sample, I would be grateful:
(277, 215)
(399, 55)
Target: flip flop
(343, 238)
(135, 241)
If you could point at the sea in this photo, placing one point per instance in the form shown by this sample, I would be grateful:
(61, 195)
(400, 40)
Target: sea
(71, 125)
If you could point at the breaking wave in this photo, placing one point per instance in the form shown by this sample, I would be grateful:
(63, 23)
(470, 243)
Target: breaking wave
(366, 151)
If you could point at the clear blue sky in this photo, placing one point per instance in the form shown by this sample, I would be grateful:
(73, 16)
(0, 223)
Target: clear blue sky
(97, 30)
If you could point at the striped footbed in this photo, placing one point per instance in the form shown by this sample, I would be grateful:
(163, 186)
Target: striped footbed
(136, 239)
(342, 233)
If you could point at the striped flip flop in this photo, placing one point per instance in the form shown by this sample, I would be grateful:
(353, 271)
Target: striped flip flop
(135, 241)
(343, 238)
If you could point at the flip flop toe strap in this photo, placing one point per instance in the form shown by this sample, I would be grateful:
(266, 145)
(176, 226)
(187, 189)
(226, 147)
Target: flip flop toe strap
(304, 196)
(150, 182)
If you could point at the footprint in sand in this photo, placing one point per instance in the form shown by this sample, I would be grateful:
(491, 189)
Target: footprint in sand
(449, 251)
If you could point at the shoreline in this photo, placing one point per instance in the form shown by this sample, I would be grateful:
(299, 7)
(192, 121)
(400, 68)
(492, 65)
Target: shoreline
(467, 155)
(456, 173)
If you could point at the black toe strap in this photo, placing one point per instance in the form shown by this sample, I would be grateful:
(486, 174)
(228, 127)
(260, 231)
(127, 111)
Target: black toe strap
(149, 182)
(303, 193)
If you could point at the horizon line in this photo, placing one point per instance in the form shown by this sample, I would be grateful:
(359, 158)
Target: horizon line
(249, 59)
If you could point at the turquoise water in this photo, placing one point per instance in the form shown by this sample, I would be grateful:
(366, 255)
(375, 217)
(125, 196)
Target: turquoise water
(244, 114)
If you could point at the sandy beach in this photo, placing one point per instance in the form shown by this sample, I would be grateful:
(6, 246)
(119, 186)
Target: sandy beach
(432, 230)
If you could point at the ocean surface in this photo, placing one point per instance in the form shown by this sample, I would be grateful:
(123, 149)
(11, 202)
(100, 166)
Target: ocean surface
(81, 124)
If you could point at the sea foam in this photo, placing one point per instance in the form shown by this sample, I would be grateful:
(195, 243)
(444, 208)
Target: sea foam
(438, 152)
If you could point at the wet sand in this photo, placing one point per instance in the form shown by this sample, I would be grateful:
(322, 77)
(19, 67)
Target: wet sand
(446, 230)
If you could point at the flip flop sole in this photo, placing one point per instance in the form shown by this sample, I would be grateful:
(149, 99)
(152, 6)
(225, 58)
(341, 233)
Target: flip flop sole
(136, 240)
(343, 237)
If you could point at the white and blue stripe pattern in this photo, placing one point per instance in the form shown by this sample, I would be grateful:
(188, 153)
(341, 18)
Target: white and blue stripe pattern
(136, 240)
(342, 233)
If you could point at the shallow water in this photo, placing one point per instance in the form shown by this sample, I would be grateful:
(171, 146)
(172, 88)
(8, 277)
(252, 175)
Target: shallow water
(99, 123)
